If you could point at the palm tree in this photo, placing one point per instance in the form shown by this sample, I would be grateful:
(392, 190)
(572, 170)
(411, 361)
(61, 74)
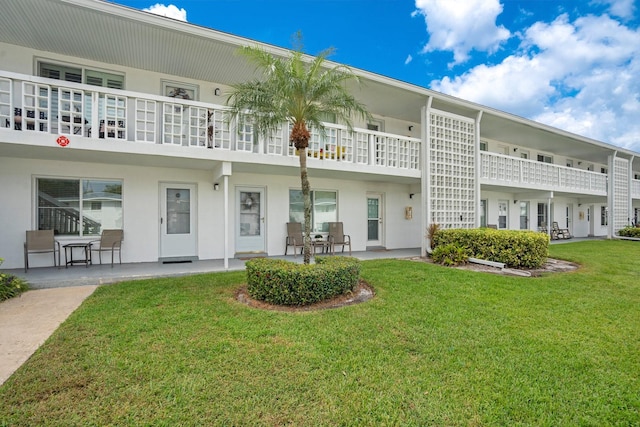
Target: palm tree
(301, 91)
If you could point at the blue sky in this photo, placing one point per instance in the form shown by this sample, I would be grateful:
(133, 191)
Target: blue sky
(572, 64)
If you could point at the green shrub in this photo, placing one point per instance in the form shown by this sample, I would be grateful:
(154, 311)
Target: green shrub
(516, 249)
(450, 255)
(10, 285)
(286, 283)
(629, 231)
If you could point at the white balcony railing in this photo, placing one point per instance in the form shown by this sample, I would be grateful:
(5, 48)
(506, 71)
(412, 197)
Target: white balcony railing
(635, 188)
(35, 104)
(513, 171)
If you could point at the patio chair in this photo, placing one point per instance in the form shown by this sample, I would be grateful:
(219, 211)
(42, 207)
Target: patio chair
(561, 233)
(110, 241)
(337, 237)
(294, 238)
(41, 242)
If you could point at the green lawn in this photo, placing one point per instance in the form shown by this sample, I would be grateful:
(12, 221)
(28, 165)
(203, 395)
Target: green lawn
(436, 346)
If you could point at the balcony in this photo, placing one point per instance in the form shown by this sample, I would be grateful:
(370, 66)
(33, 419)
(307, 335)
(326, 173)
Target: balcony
(39, 105)
(502, 170)
(635, 188)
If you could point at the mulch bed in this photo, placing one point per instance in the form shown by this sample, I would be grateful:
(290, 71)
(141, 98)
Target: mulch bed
(363, 292)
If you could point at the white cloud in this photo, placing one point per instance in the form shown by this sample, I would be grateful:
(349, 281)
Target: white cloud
(408, 60)
(170, 11)
(462, 26)
(620, 8)
(579, 76)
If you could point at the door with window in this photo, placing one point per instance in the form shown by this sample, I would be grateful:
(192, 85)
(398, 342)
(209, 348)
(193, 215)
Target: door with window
(374, 220)
(483, 212)
(503, 211)
(568, 220)
(250, 220)
(178, 228)
(524, 215)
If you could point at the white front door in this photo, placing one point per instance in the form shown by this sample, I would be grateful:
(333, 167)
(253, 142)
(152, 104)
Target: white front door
(569, 219)
(250, 228)
(374, 220)
(178, 221)
(503, 214)
(524, 215)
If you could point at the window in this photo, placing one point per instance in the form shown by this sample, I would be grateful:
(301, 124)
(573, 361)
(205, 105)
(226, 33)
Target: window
(603, 216)
(524, 154)
(569, 163)
(604, 170)
(323, 209)
(375, 125)
(483, 213)
(81, 75)
(545, 158)
(78, 207)
(483, 146)
(179, 90)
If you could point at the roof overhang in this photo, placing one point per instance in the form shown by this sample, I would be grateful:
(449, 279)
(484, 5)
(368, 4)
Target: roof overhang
(110, 33)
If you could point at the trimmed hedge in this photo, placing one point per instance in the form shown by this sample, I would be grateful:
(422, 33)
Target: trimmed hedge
(516, 249)
(283, 282)
(10, 285)
(629, 231)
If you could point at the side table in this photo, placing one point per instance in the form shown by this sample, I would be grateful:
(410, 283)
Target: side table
(324, 245)
(68, 254)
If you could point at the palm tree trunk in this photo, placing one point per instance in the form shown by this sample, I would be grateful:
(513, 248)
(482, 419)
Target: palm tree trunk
(306, 197)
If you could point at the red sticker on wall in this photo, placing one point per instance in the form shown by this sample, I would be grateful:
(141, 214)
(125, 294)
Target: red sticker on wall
(62, 141)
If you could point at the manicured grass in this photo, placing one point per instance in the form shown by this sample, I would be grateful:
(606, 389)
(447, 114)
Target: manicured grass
(436, 346)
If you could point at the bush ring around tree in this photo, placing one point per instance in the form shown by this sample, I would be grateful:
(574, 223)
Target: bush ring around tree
(286, 283)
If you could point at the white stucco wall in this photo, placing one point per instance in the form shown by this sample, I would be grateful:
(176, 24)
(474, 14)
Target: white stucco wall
(141, 205)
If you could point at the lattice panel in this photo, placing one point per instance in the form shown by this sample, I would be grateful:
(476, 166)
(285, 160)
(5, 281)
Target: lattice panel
(362, 148)
(346, 142)
(114, 112)
(275, 142)
(36, 102)
(71, 118)
(6, 113)
(221, 133)
(452, 170)
(244, 137)
(145, 120)
(198, 127)
(172, 123)
(620, 178)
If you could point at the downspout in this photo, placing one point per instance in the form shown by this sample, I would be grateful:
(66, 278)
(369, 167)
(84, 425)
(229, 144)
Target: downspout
(610, 194)
(549, 225)
(225, 208)
(426, 171)
(478, 166)
(630, 186)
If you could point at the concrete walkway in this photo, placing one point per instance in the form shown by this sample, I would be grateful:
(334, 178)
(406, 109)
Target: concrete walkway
(28, 320)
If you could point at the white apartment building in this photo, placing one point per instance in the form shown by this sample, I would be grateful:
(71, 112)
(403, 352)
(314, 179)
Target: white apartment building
(112, 117)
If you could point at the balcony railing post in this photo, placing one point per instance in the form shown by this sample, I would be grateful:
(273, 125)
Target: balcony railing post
(372, 149)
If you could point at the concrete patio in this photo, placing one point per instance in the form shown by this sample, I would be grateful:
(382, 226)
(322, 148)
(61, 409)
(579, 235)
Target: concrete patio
(96, 274)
